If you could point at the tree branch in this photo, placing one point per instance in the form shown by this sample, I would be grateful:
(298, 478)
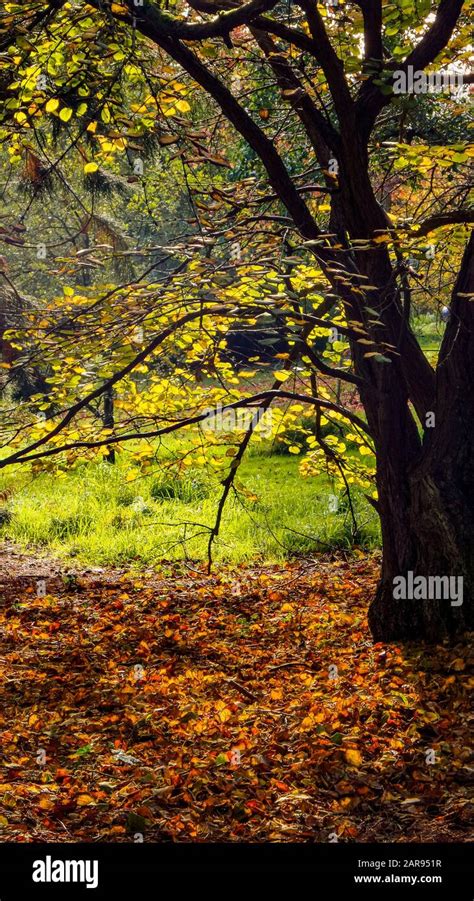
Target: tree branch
(372, 14)
(278, 175)
(455, 217)
(109, 383)
(330, 63)
(25, 455)
(220, 26)
(331, 371)
(371, 100)
(320, 133)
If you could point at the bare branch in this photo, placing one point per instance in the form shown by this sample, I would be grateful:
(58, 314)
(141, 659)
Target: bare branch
(455, 217)
(330, 63)
(220, 26)
(372, 14)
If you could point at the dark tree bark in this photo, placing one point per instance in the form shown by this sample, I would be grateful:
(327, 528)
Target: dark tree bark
(427, 507)
(109, 420)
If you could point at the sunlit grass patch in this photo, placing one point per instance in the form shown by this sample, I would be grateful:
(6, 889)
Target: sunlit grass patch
(94, 514)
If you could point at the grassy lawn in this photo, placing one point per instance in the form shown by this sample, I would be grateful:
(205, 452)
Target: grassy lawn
(95, 515)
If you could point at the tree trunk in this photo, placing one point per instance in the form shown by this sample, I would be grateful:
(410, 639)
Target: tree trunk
(425, 477)
(26, 378)
(108, 419)
(427, 508)
(420, 539)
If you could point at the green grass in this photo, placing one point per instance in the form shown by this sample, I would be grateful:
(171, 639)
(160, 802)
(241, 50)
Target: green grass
(94, 515)
(429, 330)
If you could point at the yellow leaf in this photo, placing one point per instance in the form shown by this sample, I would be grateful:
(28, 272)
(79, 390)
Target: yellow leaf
(353, 757)
(46, 803)
(52, 105)
(281, 376)
(90, 167)
(84, 800)
(65, 114)
(183, 106)
(223, 712)
(459, 664)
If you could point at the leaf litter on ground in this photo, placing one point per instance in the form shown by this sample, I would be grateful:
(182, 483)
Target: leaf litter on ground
(248, 705)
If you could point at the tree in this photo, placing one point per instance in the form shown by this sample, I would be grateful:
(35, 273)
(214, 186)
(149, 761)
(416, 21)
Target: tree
(334, 99)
